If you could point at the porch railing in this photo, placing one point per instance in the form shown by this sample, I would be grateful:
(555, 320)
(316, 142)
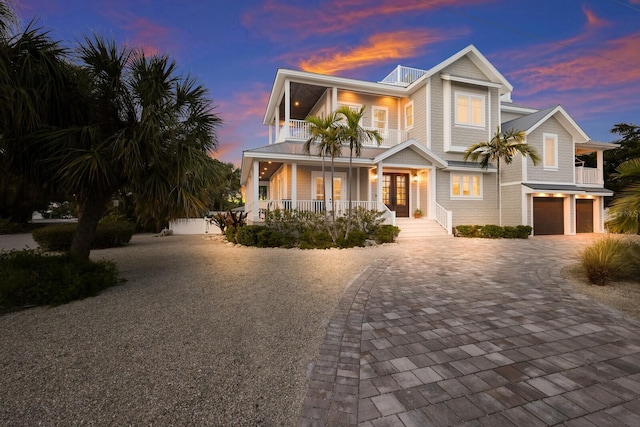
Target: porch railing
(403, 76)
(444, 218)
(299, 130)
(591, 176)
(341, 207)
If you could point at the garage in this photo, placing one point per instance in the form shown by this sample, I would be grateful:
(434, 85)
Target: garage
(584, 216)
(548, 216)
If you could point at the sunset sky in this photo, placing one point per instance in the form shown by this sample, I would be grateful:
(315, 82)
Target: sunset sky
(584, 55)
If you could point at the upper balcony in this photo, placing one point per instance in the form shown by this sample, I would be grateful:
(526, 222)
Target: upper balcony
(589, 177)
(403, 76)
(299, 130)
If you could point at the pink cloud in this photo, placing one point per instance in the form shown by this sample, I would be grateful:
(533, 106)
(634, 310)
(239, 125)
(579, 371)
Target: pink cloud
(378, 48)
(151, 37)
(592, 19)
(242, 128)
(278, 20)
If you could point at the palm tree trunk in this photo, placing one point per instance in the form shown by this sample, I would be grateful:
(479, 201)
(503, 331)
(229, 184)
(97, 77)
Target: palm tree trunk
(498, 194)
(324, 190)
(349, 184)
(333, 193)
(91, 210)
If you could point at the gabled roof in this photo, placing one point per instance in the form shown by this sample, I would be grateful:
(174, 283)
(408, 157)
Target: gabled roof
(412, 144)
(478, 59)
(530, 122)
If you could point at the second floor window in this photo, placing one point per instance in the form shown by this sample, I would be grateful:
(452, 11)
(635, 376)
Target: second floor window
(469, 110)
(550, 151)
(408, 115)
(379, 118)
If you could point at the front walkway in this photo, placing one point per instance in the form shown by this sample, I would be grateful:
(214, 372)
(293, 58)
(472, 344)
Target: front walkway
(477, 333)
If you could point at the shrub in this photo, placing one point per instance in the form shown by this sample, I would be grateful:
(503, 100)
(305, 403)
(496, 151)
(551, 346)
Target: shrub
(353, 238)
(9, 227)
(56, 237)
(269, 238)
(523, 231)
(248, 235)
(311, 239)
(492, 231)
(109, 234)
(467, 231)
(386, 233)
(230, 234)
(31, 278)
(611, 259)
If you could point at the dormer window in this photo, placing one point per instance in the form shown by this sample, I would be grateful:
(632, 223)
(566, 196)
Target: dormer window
(469, 109)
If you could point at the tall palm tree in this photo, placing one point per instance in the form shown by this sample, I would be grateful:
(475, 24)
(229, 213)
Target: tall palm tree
(356, 136)
(625, 209)
(8, 19)
(503, 146)
(324, 133)
(116, 119)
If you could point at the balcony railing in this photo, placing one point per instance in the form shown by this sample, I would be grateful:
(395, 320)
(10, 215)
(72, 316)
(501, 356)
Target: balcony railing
(299, 130)
(341, 207)
(588, 176)
(403, 76)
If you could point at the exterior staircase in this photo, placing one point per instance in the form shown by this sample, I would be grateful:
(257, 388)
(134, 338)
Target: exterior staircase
(411, 228)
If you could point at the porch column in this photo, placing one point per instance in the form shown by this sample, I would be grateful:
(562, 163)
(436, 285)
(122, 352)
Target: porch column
(270, 134)
(357, 183)
(255, 196)
(334, 99)
(294, 185)
(287, 107)
(278, 123)
(379, 184)
(417, 191)
(600, 166)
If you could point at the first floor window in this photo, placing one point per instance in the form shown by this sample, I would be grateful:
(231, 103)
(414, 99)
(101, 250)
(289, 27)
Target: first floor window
(466, 185)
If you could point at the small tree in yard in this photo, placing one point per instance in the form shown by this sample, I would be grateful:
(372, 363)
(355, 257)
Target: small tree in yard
(625, 209)
(503, 146)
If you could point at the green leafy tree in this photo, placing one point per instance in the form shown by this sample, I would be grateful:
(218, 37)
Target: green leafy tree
(625, 209)
(355, 135)
(113, 119)
(324, 134)
(502, 147)
(226, 190)
(8, 19)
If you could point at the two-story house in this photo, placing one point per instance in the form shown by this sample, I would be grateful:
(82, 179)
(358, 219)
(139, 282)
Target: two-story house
(427, 119)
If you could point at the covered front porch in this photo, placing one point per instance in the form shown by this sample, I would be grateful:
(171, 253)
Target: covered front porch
(398, 181)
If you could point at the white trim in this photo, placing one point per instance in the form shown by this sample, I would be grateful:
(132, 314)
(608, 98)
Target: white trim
(470, 196)
(446, 115)
(554, 137)
(470, 96)
(294, 184)
(428, 112)
(525, 164)
(471, 81)
(413, 115)
(523, 206)
(507, 107)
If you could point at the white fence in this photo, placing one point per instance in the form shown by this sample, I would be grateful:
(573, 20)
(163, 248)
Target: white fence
(192, 226)
(444, 218)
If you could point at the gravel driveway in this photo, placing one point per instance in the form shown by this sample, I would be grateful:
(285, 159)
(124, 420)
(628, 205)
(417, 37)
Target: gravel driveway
(202, 333)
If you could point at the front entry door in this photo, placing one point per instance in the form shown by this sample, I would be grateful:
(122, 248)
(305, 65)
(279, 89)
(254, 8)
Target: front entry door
(395, 193)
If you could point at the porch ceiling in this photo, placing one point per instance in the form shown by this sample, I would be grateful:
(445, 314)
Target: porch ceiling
(303, 98)
(267, 169)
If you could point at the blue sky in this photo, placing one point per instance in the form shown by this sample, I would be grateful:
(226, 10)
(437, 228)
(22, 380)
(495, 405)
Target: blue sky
(584, 55)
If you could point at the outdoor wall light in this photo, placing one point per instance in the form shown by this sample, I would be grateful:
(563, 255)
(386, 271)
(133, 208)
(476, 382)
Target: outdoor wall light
(415, 178)
(374, 176)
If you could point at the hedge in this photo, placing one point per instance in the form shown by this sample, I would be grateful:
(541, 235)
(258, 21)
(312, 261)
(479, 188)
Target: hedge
(491, 231)
(58, 237)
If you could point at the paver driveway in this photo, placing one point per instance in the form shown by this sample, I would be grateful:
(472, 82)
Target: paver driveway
(475, 333)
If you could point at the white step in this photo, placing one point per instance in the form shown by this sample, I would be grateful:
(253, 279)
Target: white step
(418, 228)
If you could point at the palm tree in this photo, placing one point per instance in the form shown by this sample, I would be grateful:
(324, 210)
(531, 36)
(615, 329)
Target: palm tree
(324, 133)
(115, 120)
(625, 209)
(8, 19)
(355, 135)
(503, 146)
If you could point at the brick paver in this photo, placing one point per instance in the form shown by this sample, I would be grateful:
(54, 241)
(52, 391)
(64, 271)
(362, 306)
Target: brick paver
(475, 332)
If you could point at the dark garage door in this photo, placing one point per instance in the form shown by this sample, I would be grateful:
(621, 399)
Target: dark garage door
(548, 215)
(584, 216)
